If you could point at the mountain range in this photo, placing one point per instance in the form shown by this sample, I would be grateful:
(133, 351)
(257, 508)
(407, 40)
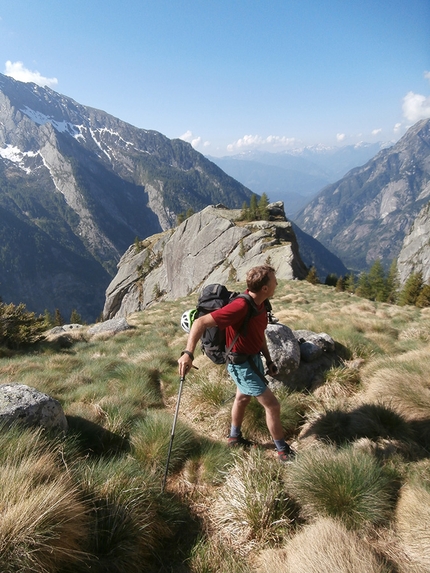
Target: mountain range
(367, 214)
(77, 186)
(296, 176)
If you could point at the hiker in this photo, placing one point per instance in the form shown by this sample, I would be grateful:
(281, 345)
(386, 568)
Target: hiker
(245, 365)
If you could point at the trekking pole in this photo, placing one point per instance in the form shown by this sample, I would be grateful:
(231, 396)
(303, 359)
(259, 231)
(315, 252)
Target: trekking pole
(173, 433)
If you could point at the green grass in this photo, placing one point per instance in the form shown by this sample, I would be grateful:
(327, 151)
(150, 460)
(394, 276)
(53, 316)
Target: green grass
(346, 484)
(94, 499)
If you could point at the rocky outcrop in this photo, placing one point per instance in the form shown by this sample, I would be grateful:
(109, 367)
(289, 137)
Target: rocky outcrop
(212, 246)
(415, 254)
(28, 406)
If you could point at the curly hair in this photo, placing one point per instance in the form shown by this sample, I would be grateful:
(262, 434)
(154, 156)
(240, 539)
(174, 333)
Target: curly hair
(257, 277)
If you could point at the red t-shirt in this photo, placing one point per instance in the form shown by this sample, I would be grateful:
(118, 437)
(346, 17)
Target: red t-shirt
(230, 318)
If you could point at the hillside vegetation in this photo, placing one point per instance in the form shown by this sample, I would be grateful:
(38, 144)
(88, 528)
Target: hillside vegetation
(355, 499)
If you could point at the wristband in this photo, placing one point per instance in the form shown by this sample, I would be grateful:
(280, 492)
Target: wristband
(190, 354)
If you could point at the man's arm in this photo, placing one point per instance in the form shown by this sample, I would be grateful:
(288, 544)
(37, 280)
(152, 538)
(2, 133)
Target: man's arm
(199, 326)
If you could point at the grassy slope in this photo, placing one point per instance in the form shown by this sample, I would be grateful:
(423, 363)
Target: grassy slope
(363, 439)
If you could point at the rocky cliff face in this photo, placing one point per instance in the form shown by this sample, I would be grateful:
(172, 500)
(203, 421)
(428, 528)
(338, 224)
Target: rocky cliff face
(415, 254)
(212, 246)
(366, 215)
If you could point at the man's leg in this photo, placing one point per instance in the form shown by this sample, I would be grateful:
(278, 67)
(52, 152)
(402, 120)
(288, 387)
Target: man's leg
(240, 403)
(273, 413)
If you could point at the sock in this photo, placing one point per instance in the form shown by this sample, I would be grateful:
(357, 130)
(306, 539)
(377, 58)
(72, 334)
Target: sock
(281, 445)
(234, 431)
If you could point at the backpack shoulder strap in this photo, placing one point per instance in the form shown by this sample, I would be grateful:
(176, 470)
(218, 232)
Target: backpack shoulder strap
(252, 308)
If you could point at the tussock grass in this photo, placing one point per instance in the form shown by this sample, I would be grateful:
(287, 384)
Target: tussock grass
(346, 484)
(325, 546)
(119, 394)
(412, 519)
(44, 521)
(151, 438)
(252, 506)
(128, 521)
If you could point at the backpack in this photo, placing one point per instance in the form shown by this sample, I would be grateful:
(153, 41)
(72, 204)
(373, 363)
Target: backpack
(216, 296)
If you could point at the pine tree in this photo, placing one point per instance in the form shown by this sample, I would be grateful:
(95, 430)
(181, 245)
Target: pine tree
(350, 283)
(393, 284)
(377, 282)
(263, 210)
(253, 208)
(340, 284)
(312, 276)
(424, 297)
(363, 288)
(244, 214)
(58, 319)
(75, 317)
(412, 289)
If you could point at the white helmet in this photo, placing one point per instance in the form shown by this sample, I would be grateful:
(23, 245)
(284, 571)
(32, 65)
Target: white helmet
(187, 319)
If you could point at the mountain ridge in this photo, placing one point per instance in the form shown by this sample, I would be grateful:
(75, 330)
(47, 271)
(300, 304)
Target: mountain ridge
(366, 215)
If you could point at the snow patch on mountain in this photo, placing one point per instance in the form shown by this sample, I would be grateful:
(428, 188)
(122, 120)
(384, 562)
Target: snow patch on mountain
(14, 154)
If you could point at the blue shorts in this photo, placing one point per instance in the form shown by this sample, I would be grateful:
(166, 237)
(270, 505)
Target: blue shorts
(246, 379)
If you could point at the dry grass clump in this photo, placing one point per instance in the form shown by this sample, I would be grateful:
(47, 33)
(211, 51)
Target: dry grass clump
(151, 438)
(252, 507)
(412, 523)
(44, 522)
(402, 383)
(325, 546)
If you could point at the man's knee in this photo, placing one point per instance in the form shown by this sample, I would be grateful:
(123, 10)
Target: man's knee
(242, 399)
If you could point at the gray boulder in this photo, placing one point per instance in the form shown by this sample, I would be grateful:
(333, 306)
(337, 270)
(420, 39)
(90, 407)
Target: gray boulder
(313, 345)
(20, 403)
(111, 326)
(283, 348)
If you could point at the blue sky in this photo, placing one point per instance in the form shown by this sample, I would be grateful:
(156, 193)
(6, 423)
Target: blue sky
(232, 75)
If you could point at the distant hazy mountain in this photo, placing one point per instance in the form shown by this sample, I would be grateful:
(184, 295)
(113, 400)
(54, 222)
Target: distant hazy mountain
(297, 176)
(366, 215)
(77, 186)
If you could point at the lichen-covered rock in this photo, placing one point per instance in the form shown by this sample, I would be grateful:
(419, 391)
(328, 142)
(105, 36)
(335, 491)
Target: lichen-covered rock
(283, 348)
(21, 403)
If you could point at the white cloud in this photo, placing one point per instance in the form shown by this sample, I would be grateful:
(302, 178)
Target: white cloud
(17, 71)
(376, 131)
(397, 127)
(416, 107)
(195, 141)
(340, 136)
(256, 141)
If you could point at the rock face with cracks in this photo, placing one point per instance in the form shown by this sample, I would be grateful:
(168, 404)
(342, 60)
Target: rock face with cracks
(212, 246)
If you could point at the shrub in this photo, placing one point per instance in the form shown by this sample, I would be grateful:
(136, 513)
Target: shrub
(18, 326)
